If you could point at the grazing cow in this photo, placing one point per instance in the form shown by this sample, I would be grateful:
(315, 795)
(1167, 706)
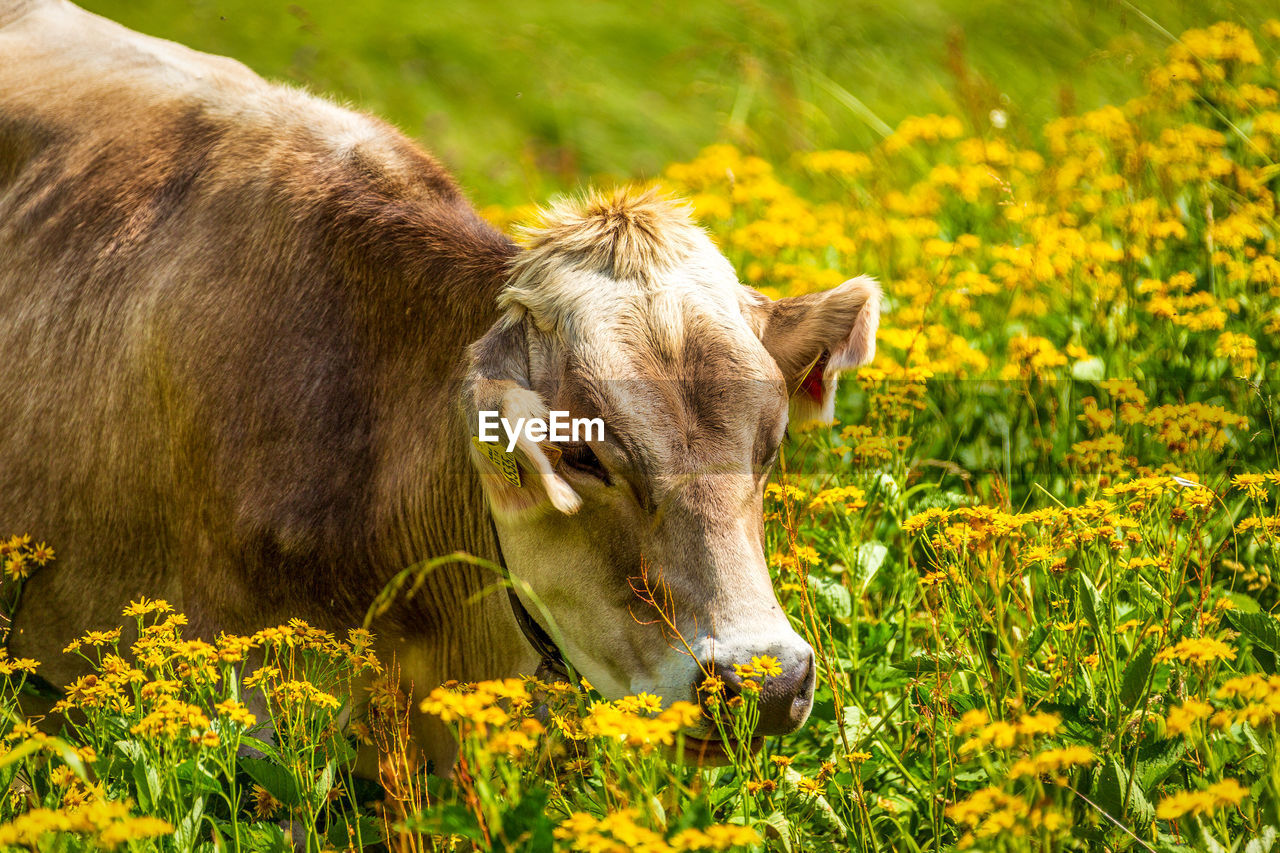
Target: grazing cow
(246, 339)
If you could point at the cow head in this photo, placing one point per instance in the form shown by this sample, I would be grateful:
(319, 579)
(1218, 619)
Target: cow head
(620, 308)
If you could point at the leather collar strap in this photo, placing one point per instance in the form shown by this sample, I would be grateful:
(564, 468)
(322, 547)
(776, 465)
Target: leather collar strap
(552, 666)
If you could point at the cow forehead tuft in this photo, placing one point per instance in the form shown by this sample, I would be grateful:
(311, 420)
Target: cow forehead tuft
(623, 234)
(626, 263)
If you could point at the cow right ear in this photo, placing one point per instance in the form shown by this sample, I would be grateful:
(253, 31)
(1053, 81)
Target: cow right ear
(815, 337)
(497, 385)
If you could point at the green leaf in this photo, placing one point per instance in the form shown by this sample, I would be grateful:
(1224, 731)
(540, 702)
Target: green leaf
(1261, 628)
(831, 597)
(363, 830)
(1211, 844)
(146, 783)
(130, 760)
(1090, 692)
(776, 826)
(340, 748)
(324, 783)
(1090, 601)
(814, 805)
(263, 837)
(446, 819)
(870, 558)
(1112, 789)
(1265, 841)
(277, 780)
(1157, 760)
(857, 724)
(14, 756)
(1263, 632)
(1089, 369)
(925, 663)
(267, 749)
(1243, 603)
(1136, 673)
(1036, 640)
(529, 827)
(1251, 737)
(194, 779)
(184, 837)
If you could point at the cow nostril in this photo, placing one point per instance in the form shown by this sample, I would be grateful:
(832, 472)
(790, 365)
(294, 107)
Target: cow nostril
(803, 700)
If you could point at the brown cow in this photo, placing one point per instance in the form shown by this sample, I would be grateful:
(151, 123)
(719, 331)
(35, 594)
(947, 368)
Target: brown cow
(247, 335)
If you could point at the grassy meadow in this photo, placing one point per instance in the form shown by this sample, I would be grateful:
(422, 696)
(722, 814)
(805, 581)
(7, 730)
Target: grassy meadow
(521, 98)
(1037, 555)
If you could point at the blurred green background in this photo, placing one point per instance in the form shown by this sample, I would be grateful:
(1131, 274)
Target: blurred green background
(522, 98)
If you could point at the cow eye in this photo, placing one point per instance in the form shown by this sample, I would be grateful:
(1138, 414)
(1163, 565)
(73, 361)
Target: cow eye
(771, 460)
(582, 458)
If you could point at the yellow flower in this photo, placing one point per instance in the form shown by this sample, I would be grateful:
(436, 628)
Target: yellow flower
(843, 164)
(618, 831)
(236, 713)
(143, 606)
(1254, 485)
(1241, 350)
(62, 776)
(767, 666)
(784, 493)
(641, 703)
(972, 721)
(1183, 718)
(847, 498)
(716, 837)
(107, 821)
(265, 806)
(41, 554)
(988, 809)
(172, 718)
(808, 786)
(1198, 650)
(1052, 761)
(806, 554)
(1039, 724)
(1228, 792)
(16, 567)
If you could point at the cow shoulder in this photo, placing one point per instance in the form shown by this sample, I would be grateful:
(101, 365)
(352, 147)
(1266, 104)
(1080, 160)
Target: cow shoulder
(268, 257)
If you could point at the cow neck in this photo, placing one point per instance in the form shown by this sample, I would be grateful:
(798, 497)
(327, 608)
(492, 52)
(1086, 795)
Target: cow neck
(552, 664)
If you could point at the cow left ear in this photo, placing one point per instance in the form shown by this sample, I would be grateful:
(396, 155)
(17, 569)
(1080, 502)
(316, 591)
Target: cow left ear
(497, 382)
(814, 337)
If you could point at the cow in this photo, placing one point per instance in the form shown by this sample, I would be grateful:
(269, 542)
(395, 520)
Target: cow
(248, 336)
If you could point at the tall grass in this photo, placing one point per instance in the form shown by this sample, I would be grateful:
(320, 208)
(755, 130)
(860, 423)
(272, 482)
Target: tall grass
(525, 98)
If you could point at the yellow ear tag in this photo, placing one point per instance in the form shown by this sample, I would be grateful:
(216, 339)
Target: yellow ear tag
(552, 452)
(504, 461)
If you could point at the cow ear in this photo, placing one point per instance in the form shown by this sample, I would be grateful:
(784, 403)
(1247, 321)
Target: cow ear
(814, 337)
(497, 381)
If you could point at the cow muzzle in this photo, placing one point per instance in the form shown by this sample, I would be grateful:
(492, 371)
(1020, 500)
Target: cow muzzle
(785, 696)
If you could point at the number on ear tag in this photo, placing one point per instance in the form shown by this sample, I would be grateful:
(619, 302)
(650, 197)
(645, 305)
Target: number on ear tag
(505, 462)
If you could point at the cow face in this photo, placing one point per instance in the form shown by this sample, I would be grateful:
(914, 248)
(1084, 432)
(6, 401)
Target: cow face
(642, 544)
